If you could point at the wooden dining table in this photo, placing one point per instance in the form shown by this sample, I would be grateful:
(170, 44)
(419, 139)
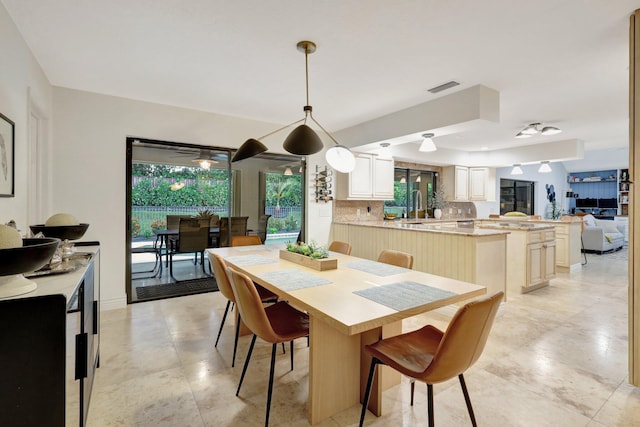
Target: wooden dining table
(358, 303)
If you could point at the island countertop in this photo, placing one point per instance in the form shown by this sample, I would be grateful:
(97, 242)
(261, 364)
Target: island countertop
(446, 226)
(516, 225)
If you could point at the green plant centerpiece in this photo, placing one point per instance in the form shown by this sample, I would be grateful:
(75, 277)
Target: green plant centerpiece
(204, 213)
(312, 250)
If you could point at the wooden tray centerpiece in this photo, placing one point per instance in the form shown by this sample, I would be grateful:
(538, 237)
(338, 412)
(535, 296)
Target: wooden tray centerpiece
(309, 255)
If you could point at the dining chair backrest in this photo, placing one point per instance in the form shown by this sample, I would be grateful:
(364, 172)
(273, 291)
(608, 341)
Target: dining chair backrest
(397, 258)
(464, 340)
(250, 306)
(222, 277)
(192, 236)
(250, 240)
(263, 222)
(173, 221)
(341, 247)
(237, 227)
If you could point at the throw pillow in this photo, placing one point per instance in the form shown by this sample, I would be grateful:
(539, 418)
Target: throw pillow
(515, 213)
(609, 239)
(589, 221)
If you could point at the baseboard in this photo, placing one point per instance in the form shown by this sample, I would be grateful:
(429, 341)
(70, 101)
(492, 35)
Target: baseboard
(113, 303)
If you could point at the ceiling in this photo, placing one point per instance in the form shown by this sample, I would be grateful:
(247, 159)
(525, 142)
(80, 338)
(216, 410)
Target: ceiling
(561, 63)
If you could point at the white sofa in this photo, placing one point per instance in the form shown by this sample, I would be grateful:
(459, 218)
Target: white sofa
(600, 235)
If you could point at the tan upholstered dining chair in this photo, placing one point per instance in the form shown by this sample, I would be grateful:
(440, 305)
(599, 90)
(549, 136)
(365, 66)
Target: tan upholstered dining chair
(341, 247)
(224, 286)
(432, 356)
(277, 323)
(397, 258)
(250, 240)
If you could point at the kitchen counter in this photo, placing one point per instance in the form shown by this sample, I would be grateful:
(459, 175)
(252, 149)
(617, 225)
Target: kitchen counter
(447, 226)
(568, 238)
(439, 247)
(516, 225)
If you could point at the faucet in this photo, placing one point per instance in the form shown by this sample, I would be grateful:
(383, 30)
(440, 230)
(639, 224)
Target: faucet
(417, 203)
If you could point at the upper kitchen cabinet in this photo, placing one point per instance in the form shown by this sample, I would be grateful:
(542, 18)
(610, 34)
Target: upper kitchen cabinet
(372, 178)
(469, 183)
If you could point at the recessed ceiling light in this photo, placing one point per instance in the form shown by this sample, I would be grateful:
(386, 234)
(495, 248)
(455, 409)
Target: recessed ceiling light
(484, 148)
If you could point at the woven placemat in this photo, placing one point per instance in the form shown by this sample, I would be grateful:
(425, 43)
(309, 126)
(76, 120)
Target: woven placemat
(404, 295)
(377, 268)
(292, 280)
(250, 259)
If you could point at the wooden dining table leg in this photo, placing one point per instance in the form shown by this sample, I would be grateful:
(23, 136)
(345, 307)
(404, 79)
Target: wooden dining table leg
(385, 377)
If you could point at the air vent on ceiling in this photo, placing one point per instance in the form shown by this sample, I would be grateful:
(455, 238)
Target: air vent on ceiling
(444, 86)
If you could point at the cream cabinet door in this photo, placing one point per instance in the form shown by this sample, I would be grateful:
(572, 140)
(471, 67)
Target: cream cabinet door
(549, 260)
(461, 184)
(535, 267)
(383, 178)
(477, 183)
(562, 250)
(360, 183)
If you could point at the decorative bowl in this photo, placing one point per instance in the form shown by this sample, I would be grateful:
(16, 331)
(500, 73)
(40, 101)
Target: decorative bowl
(32, 255)
(62, 232)
(390, 215)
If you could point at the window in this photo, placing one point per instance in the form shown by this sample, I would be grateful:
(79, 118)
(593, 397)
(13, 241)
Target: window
(411, 187)
(517, 196)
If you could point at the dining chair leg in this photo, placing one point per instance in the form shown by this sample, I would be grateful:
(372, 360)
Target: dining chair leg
(271, 375)
(283, 350)
(467, 400)
(235, 342)
(224, 317)
(430, 403)
(413, 388)
(584, 254)
(367, 391)
(246, 362)
(291, 345)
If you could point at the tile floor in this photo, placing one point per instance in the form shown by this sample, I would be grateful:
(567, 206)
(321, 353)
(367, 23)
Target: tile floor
(555, 357)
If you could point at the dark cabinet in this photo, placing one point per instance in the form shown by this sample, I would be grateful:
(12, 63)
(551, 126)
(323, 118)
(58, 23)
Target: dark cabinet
(35, 342)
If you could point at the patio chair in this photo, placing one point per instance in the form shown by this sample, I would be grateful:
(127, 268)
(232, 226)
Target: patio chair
(238, 227)
(192, 238)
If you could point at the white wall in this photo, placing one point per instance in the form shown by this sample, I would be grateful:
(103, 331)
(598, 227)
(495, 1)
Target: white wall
(22, 84)
(89, 135)
(558, 178)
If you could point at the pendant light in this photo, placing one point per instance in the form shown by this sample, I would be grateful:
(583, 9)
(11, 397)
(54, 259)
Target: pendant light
(517, 170)
(427, 143)
(204, 159)
(544, 168)
(303, 140)
(288, 171)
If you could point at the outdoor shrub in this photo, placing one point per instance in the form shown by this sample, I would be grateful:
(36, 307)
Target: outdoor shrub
(158, 225)
(291, 223)
(135, 227)
(273, 230)
(277, 223)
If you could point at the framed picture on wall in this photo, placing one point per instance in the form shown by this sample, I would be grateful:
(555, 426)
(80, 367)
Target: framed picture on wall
(7, 146)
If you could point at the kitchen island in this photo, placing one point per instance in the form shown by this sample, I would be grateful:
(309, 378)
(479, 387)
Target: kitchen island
(568, 240)
(439, 247)
(532, 253)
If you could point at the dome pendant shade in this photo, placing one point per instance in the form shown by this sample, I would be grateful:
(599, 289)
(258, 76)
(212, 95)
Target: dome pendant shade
(303, 141)
(251, 147)
(340, 158)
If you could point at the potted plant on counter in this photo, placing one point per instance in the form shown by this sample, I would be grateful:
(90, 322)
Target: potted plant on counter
(439, 202)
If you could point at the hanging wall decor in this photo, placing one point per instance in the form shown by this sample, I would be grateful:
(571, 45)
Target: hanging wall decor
(7, 146)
